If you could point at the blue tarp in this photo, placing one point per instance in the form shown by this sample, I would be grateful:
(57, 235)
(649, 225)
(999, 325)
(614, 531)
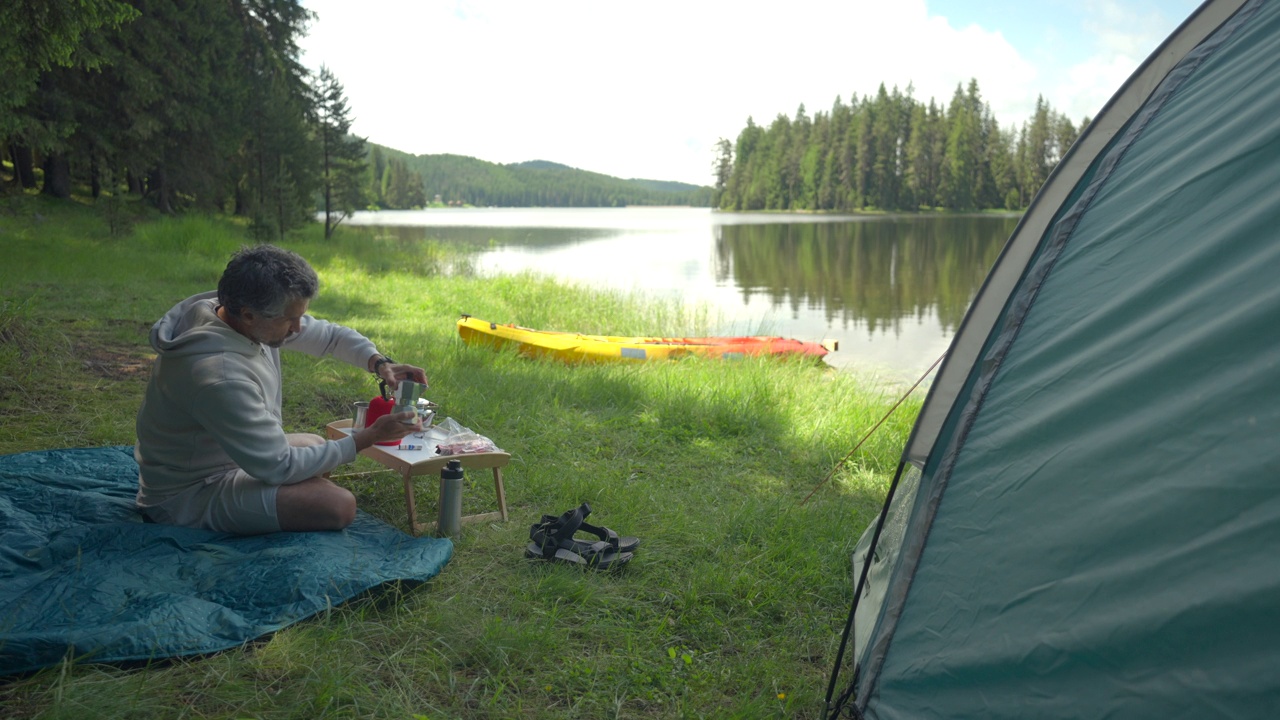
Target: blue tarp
(82, 576)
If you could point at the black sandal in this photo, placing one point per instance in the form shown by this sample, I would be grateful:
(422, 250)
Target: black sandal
(552, 523)
(553, 541)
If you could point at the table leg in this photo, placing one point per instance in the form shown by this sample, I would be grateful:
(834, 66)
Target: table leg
(408, 501)
(501, 493)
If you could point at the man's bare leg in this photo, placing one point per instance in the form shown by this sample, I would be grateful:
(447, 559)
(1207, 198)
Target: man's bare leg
(315, 503)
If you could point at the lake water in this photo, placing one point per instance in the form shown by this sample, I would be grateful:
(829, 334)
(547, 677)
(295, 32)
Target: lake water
(890, 289)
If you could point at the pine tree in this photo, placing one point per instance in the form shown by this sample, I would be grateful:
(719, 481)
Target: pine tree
(962, 156)
(743, 186)
(845, 140)
(279, 163)
(342, 155)
(925, 149)
(1064, 135)
(721, 169)
(1038, 152)
(828, 187)
(1003, 169)
(793, 162)
(887, 139)
(377, 169)
(864, 145)
(775, 174)
(812, 164)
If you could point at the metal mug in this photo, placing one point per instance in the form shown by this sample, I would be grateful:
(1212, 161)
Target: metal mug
(360, 411)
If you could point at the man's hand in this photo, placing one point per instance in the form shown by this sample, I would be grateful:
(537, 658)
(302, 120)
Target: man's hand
(388, 427)
(393, 373)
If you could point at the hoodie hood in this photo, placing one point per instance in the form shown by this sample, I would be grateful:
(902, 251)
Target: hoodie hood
(192, 327)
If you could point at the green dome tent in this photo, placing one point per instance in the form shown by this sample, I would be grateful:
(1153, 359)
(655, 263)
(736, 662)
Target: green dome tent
(1086, 522)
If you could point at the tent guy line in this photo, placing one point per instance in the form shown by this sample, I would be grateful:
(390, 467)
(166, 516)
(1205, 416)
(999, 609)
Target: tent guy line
(873, 429)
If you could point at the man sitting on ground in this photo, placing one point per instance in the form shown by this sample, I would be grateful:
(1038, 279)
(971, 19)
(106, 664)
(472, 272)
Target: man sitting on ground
(212, 451)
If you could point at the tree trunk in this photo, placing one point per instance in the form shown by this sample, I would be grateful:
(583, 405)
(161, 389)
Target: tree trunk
(329, 224)
(23, 166)
(95, 182)
(158, 191)
(57, 176)
(279, 205)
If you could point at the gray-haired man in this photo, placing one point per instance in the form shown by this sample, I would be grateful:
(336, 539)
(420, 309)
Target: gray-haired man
(212, 451)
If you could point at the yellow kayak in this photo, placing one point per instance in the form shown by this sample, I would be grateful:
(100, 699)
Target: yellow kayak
(576, 347)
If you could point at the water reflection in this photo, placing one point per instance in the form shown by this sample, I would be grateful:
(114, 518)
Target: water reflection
(486, 237)
(892, 290)
(875, 274)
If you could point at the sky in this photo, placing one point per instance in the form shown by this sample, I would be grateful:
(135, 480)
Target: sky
(646, 89)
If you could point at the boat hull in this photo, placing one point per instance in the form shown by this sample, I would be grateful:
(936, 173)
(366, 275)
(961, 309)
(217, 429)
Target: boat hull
(577, 347)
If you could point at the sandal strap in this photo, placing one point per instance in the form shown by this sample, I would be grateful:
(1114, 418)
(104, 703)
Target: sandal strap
(552, 532)
(557, 520)
(568, 526)
(548, 550)
(604, 533)
(596, 548)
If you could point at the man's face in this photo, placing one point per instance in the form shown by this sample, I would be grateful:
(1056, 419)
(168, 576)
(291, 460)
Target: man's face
(272, 332)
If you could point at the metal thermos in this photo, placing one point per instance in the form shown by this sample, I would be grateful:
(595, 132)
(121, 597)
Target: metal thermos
(450, 521)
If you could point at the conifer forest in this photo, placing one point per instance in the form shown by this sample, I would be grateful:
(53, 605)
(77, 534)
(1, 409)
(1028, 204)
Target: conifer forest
(892, 152)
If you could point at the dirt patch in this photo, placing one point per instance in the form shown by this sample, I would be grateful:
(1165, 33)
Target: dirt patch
(115, 365)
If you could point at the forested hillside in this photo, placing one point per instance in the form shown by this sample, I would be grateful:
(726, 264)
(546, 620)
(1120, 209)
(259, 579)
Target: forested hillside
(892, 152)
(460, 180)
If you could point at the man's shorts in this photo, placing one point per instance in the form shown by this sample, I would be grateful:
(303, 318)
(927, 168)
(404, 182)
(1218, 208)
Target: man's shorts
(230, 502)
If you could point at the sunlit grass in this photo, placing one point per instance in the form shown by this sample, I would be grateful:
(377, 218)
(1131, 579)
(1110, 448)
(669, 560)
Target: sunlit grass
(731, 609)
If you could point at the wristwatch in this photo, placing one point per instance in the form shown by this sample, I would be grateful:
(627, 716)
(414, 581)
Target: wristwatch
(377, 364)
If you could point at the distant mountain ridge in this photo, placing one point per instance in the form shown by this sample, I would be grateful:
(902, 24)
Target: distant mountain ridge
(462, 180)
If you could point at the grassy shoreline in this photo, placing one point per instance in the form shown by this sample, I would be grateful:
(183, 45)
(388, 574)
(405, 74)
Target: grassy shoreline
(732, 609)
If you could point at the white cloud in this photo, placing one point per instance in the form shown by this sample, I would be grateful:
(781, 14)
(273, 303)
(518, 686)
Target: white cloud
(1122, 37)
(645, 89)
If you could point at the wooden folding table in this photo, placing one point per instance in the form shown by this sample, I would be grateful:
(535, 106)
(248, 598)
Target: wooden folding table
(410, 463)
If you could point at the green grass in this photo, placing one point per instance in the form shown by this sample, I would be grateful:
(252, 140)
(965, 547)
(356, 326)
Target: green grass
(731, 609)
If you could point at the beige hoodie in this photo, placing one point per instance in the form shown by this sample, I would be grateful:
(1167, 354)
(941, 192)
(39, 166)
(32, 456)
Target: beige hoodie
(213, 403)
